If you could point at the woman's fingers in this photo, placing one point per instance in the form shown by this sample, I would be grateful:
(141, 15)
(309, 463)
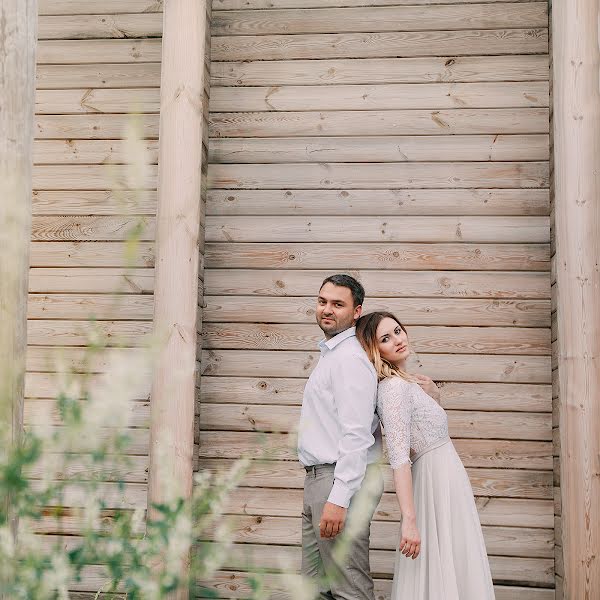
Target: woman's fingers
(410, 548)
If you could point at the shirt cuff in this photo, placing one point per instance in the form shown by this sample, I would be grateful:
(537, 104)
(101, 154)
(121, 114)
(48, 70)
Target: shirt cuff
(340, 494)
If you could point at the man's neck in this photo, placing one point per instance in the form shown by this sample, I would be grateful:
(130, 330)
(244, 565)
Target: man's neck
(329, 337)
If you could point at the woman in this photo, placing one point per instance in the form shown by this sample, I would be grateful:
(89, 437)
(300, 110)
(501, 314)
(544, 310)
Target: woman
(440, 531)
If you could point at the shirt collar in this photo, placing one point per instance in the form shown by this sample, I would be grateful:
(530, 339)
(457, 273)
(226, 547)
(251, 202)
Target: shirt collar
(331, 343)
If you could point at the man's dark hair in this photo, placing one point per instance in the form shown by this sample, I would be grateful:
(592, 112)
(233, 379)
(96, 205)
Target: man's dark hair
(347, 281)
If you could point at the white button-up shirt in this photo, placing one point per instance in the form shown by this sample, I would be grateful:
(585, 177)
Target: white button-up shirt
(338, 423)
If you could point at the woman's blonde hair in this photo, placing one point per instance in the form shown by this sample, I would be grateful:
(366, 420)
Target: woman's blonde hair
(366, 332)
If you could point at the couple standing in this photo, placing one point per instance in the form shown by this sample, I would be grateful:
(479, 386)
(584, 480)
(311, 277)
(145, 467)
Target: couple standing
(361, 378)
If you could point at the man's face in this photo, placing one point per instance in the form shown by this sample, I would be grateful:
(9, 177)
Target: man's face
(335, 309)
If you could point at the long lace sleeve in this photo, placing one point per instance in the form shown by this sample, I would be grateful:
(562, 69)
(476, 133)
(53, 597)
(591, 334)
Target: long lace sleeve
(395, 410)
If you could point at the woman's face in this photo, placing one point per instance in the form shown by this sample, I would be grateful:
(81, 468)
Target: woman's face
(392, 341)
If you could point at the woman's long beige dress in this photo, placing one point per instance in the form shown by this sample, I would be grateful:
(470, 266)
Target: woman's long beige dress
(453, 563)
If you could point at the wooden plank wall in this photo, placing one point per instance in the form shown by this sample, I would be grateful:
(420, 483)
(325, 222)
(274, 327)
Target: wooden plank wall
(405, 142)
(96, 61)
(558, 547)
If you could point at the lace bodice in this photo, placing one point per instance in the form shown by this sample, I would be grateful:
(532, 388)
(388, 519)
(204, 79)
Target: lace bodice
(412, 419)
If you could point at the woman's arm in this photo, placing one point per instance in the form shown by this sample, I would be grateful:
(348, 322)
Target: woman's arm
(395, 404)
(410, 539)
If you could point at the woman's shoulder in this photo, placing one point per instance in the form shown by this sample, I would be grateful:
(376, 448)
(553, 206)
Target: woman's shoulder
(393, 384)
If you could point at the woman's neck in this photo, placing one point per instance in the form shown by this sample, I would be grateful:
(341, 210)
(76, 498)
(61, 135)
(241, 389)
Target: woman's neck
(401, 364)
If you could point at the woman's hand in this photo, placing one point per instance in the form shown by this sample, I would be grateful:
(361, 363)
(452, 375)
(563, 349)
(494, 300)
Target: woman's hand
(428, 386)
(410, 542)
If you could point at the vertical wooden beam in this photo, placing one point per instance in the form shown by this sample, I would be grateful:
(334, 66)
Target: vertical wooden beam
(18, 21)
(179, 241)
(576, 57)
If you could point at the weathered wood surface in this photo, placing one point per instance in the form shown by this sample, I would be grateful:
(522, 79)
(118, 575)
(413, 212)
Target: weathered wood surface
(413, 256)
(406, 148)
(393, 202)
(381, 70)
(394, 18)
(471, 42)
(381, 284)
(86, 278)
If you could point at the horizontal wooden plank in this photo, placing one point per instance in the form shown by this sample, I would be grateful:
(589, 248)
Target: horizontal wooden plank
(92, 126)
(127, 469)
(91, 254)
(93, 177)
(64, 526)
(462, 423)
(98, 100)
(137, 443)
(80, 52)
(458, 396)
(418, 311)
(67, 76)
(509, 483)
(459, 340)
(271, 557)
(54, 359)
(274, 558)
(500, 541)
(480, 453)
(130, 496)
(329, 149)
(476, 257)
(82, 228)
(112, 307)
(94, 202)
(89, 152)
(381, 44)
(380, 284)
(492, 511)
(254, 4)
(47, 412)
(52, 332)
(388, 122)
(373, 229)
(370, 175)
(235, 585)
(379, 18)
(99, 281)
(380, 70)
(89, 26)
(394, 202)
(50, 385)
(445, 367)
(86, 7)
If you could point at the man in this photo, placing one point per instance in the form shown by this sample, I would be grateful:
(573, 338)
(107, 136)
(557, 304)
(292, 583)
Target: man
(339, 438)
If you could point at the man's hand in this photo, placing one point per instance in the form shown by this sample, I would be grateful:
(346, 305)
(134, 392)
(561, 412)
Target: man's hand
(332, 520)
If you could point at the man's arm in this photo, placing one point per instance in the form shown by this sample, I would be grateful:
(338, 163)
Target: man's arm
(355, 395)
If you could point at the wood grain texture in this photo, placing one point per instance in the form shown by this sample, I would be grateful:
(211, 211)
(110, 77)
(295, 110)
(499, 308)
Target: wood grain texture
(403, 18)
(381, 70)
(470, 42)
(390, 122)
(373, 229)
(376, 149)
(342, 256)
(382, 284)
(393, 202)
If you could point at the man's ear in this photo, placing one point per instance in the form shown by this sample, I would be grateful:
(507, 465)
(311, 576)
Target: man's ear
(357, 312)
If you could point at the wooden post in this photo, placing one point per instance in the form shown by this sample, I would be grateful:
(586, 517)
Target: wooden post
(576, 57)
(18, 19)
(179, 241)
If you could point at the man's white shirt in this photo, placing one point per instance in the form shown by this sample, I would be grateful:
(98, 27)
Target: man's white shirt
(338, 423)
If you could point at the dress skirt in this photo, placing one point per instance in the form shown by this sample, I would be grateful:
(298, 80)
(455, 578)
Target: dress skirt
(453, 563)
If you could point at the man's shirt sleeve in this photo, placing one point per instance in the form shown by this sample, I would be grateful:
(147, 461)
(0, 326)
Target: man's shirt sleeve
(355, 395)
